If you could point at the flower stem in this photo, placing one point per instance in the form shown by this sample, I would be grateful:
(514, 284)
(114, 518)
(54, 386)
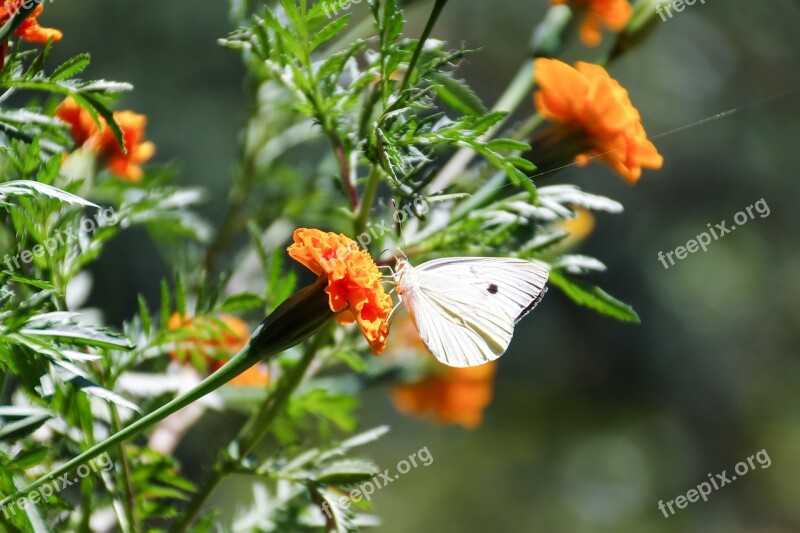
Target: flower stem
(238, 364)
(366, 202)
(253, 432)
(296, 319)
(438, 7)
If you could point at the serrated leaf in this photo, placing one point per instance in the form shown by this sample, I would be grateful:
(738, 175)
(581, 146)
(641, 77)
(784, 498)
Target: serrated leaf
(457, 94)
(346, 472)
(329, 31)
(70, 67)
(32, 188)
(244, 301)
(59, 326)
(594, 298)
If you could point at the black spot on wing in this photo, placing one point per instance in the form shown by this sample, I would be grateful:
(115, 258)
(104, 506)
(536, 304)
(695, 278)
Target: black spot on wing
(492, 289)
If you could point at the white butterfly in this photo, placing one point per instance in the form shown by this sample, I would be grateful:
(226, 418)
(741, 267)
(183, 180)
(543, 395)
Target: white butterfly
(465, 308)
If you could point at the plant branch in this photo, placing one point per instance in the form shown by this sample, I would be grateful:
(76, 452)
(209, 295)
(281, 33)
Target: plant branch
(253, 432)
(366, 202)
(438, 7)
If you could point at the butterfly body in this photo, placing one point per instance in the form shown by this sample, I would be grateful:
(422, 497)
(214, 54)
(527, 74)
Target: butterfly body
(465, 308)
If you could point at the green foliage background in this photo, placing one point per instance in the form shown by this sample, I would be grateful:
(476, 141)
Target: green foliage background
(593, 421)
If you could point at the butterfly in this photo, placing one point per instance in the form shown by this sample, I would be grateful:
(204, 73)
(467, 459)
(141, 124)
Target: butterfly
(465, 308)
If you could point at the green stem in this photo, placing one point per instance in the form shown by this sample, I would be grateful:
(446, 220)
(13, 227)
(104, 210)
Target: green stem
(238, 364)
(253, 432)
(437, 10)
(127, 484)
(366, 202)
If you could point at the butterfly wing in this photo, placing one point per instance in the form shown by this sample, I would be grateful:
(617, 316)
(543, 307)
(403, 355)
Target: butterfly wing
(465, 309)
(515, 285)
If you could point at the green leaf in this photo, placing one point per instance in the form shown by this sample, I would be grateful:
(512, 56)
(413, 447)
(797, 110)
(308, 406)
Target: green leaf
(346, 472)
(244, 301)
(458, 95)
(24, 427)
(70, 67)
(510, 145)
(60, 326)
(330, 31)
(594, 298)
(110, 396)
(34, 188)
(335, 407)
(111, 122)
(338, 519)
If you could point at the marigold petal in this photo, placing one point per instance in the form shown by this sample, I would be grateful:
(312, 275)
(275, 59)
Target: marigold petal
(611, 14)
(452, 396)
(596, 107)
(566, 89)
(354, 281)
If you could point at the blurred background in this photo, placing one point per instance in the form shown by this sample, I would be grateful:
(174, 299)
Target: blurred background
(593, 422)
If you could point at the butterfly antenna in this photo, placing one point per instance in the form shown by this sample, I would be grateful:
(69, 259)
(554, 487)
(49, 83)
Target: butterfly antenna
(400, 227)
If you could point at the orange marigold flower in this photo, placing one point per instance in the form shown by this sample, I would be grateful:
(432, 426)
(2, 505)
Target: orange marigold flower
(452, 396)
(590, 104)
(137, 151)
(354, 281)
(613, 14)
(29, 30)
(81, 126)
(227, 334)
(101, 140)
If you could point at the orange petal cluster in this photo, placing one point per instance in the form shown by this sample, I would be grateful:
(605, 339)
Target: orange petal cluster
(452, 396)
(100, 140)
(587, 100)
(29, 30)
(354, 281)
(212, 339)
(612, 14)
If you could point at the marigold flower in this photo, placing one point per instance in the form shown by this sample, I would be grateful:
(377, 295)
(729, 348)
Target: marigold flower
(354, 282)
(591, 105)
(102, 142)
(612, 14)
(81, 126)
(451, 396)
(29, 30)
(137, 151)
